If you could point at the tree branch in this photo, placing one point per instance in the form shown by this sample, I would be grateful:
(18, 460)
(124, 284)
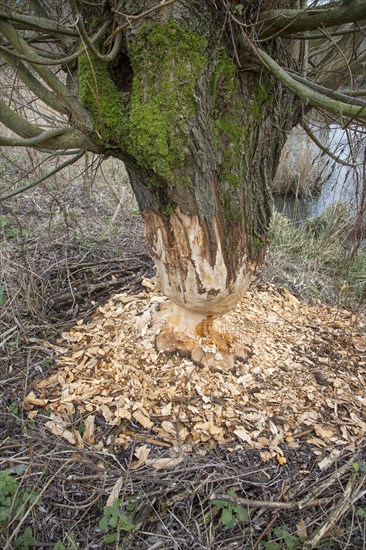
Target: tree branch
(42, 178)
(339, 96)
(320, 35)
(61, 60)
(311, 96)
(28, 22)
(136, 17)
(325, 149)
(46, 139)
(80, 115)
(88, 42)
(33, 83)
(287, 21)
(64, 138)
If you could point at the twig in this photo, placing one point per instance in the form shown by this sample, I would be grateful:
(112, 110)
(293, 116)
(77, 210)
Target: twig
(32, 505)
(82, 265)
(271, 504)
(327, 483)
(42, 178)
(266, 530)
(351, 494)
(90, 289)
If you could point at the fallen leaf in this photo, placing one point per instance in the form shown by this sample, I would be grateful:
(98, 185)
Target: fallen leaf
(164, 463)
(31, 401)
(88, 435)
(143, 420)
(60, 430)
(301, 529)
(116, 489)
(141, 453)
(242, 434)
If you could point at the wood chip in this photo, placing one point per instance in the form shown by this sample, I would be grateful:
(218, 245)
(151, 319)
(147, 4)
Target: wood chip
(304, 368)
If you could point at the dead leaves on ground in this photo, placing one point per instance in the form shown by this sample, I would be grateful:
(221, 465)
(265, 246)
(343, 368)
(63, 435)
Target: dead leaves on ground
(304, 381)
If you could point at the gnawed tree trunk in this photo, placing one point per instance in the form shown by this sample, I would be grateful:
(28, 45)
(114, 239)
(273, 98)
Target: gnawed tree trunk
(201, 144)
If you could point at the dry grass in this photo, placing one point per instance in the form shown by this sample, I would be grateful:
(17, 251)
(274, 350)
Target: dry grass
(302, 168)
(317, 260)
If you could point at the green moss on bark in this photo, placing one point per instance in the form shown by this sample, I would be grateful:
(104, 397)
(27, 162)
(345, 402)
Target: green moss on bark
(262, 94)
(100, 95)
(167, 62)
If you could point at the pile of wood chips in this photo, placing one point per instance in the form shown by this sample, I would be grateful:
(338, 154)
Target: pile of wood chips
(304, 379)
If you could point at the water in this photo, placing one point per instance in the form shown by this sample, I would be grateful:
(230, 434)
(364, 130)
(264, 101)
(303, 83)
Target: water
(344, 185)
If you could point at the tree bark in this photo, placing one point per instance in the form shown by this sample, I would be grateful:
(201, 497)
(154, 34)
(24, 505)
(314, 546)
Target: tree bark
(201, 145)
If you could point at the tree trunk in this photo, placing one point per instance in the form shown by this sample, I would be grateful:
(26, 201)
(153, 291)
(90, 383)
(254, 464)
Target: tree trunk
(201, 145)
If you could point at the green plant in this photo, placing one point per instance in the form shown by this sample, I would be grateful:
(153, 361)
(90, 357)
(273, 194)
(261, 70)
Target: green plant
(286, 541)
(2, 295)
(26, 540)
(72, 545)
(13, 408)
(231, 513)
(13, 502)
(114, 519)
(359, 466)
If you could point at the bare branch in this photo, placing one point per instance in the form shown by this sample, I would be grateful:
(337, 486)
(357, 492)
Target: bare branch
(80, 115)
(64, 138)
(33, 83)
(311, 96)
(88, 43)
(287, 21)
(42, 178)
(325, 149)
(320, 35)
(47, 139)
(339, 96)
(37, 23)
(136, 17)
(59, 60)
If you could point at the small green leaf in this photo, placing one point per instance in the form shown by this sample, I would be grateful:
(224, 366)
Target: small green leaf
(108, 539)
(131, 507)
(103, 524)
(239, 9)
(13, 407)
(2, 295)
(271, 546)
(4, 513)
(113, 521)
(59, 546)
(227, 519)
(113, 510)
(126, 523)
(241, 513)
(361, 512)
(19, 469)
(26, 540)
